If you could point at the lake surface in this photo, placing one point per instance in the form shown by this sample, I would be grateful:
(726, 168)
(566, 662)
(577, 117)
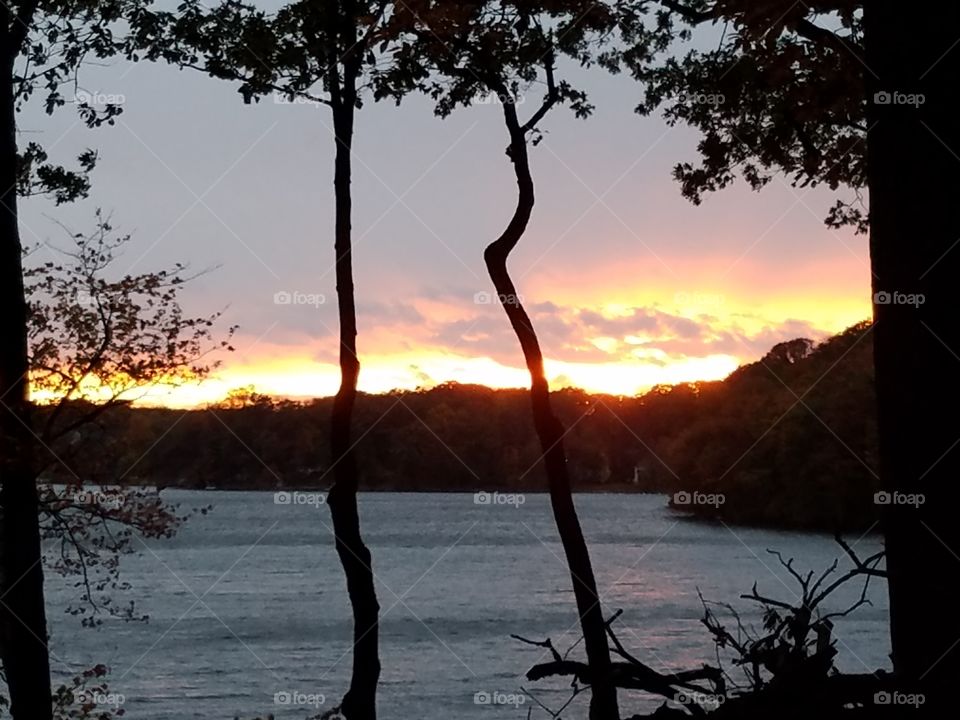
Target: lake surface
(248, 608)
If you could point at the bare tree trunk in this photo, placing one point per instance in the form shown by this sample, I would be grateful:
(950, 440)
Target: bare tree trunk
(914, 179)
(23, 623)
(360, 701)
(550, 431)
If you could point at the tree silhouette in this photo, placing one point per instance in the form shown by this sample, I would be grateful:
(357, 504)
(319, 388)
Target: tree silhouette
(322, 52)
(497, 50)
(42, 47)
(98, 342)
(857, 95)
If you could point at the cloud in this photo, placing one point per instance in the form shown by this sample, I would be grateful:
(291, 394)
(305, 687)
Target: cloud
(454, 325)
(587, 335)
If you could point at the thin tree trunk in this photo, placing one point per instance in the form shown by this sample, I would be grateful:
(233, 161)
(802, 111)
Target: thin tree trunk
(550, 431)
(23, 624)
(914, 180)
(360, 701)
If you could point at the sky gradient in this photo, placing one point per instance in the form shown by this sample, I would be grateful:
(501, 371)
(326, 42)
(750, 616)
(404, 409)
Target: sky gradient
(628, 283)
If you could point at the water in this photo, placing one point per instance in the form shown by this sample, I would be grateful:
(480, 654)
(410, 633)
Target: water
(248, 602)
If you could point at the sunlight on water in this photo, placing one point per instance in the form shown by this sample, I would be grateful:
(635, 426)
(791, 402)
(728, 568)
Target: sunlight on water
(249, 616)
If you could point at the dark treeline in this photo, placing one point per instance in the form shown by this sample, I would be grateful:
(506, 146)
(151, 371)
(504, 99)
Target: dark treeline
(787, 440)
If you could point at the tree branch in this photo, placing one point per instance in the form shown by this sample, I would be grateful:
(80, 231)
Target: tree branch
(553, 96)
(22, 22)
(803, 27)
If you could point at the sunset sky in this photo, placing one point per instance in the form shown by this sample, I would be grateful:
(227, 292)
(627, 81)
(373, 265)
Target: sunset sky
(628, 283)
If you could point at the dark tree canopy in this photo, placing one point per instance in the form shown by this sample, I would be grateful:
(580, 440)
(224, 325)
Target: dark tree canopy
(49, 43)
(460, 54)
(774, 87)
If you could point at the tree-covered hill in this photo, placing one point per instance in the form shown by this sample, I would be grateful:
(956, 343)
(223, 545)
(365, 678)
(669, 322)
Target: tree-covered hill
(787, 441)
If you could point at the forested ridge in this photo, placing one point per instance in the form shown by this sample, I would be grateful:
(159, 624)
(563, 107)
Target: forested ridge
(804, 411)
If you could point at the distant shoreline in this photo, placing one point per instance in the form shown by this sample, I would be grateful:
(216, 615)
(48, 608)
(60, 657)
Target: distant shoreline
(681, 515)
(423, 491)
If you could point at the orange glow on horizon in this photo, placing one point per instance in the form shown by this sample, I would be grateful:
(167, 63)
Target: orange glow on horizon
(636, 361)
(599, 342)
(305, 380)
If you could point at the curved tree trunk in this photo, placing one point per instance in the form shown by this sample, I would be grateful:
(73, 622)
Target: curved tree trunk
(550, 431)
(359, 703)
(913, 156)
(23, 623)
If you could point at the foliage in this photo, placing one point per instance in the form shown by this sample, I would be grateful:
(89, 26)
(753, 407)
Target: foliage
(87, 696)
(101, 341)
(297, 51)
(780, 91)
(97, 342)
(480, 51)
(790, 440)
(51, 42)
(43, 47)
